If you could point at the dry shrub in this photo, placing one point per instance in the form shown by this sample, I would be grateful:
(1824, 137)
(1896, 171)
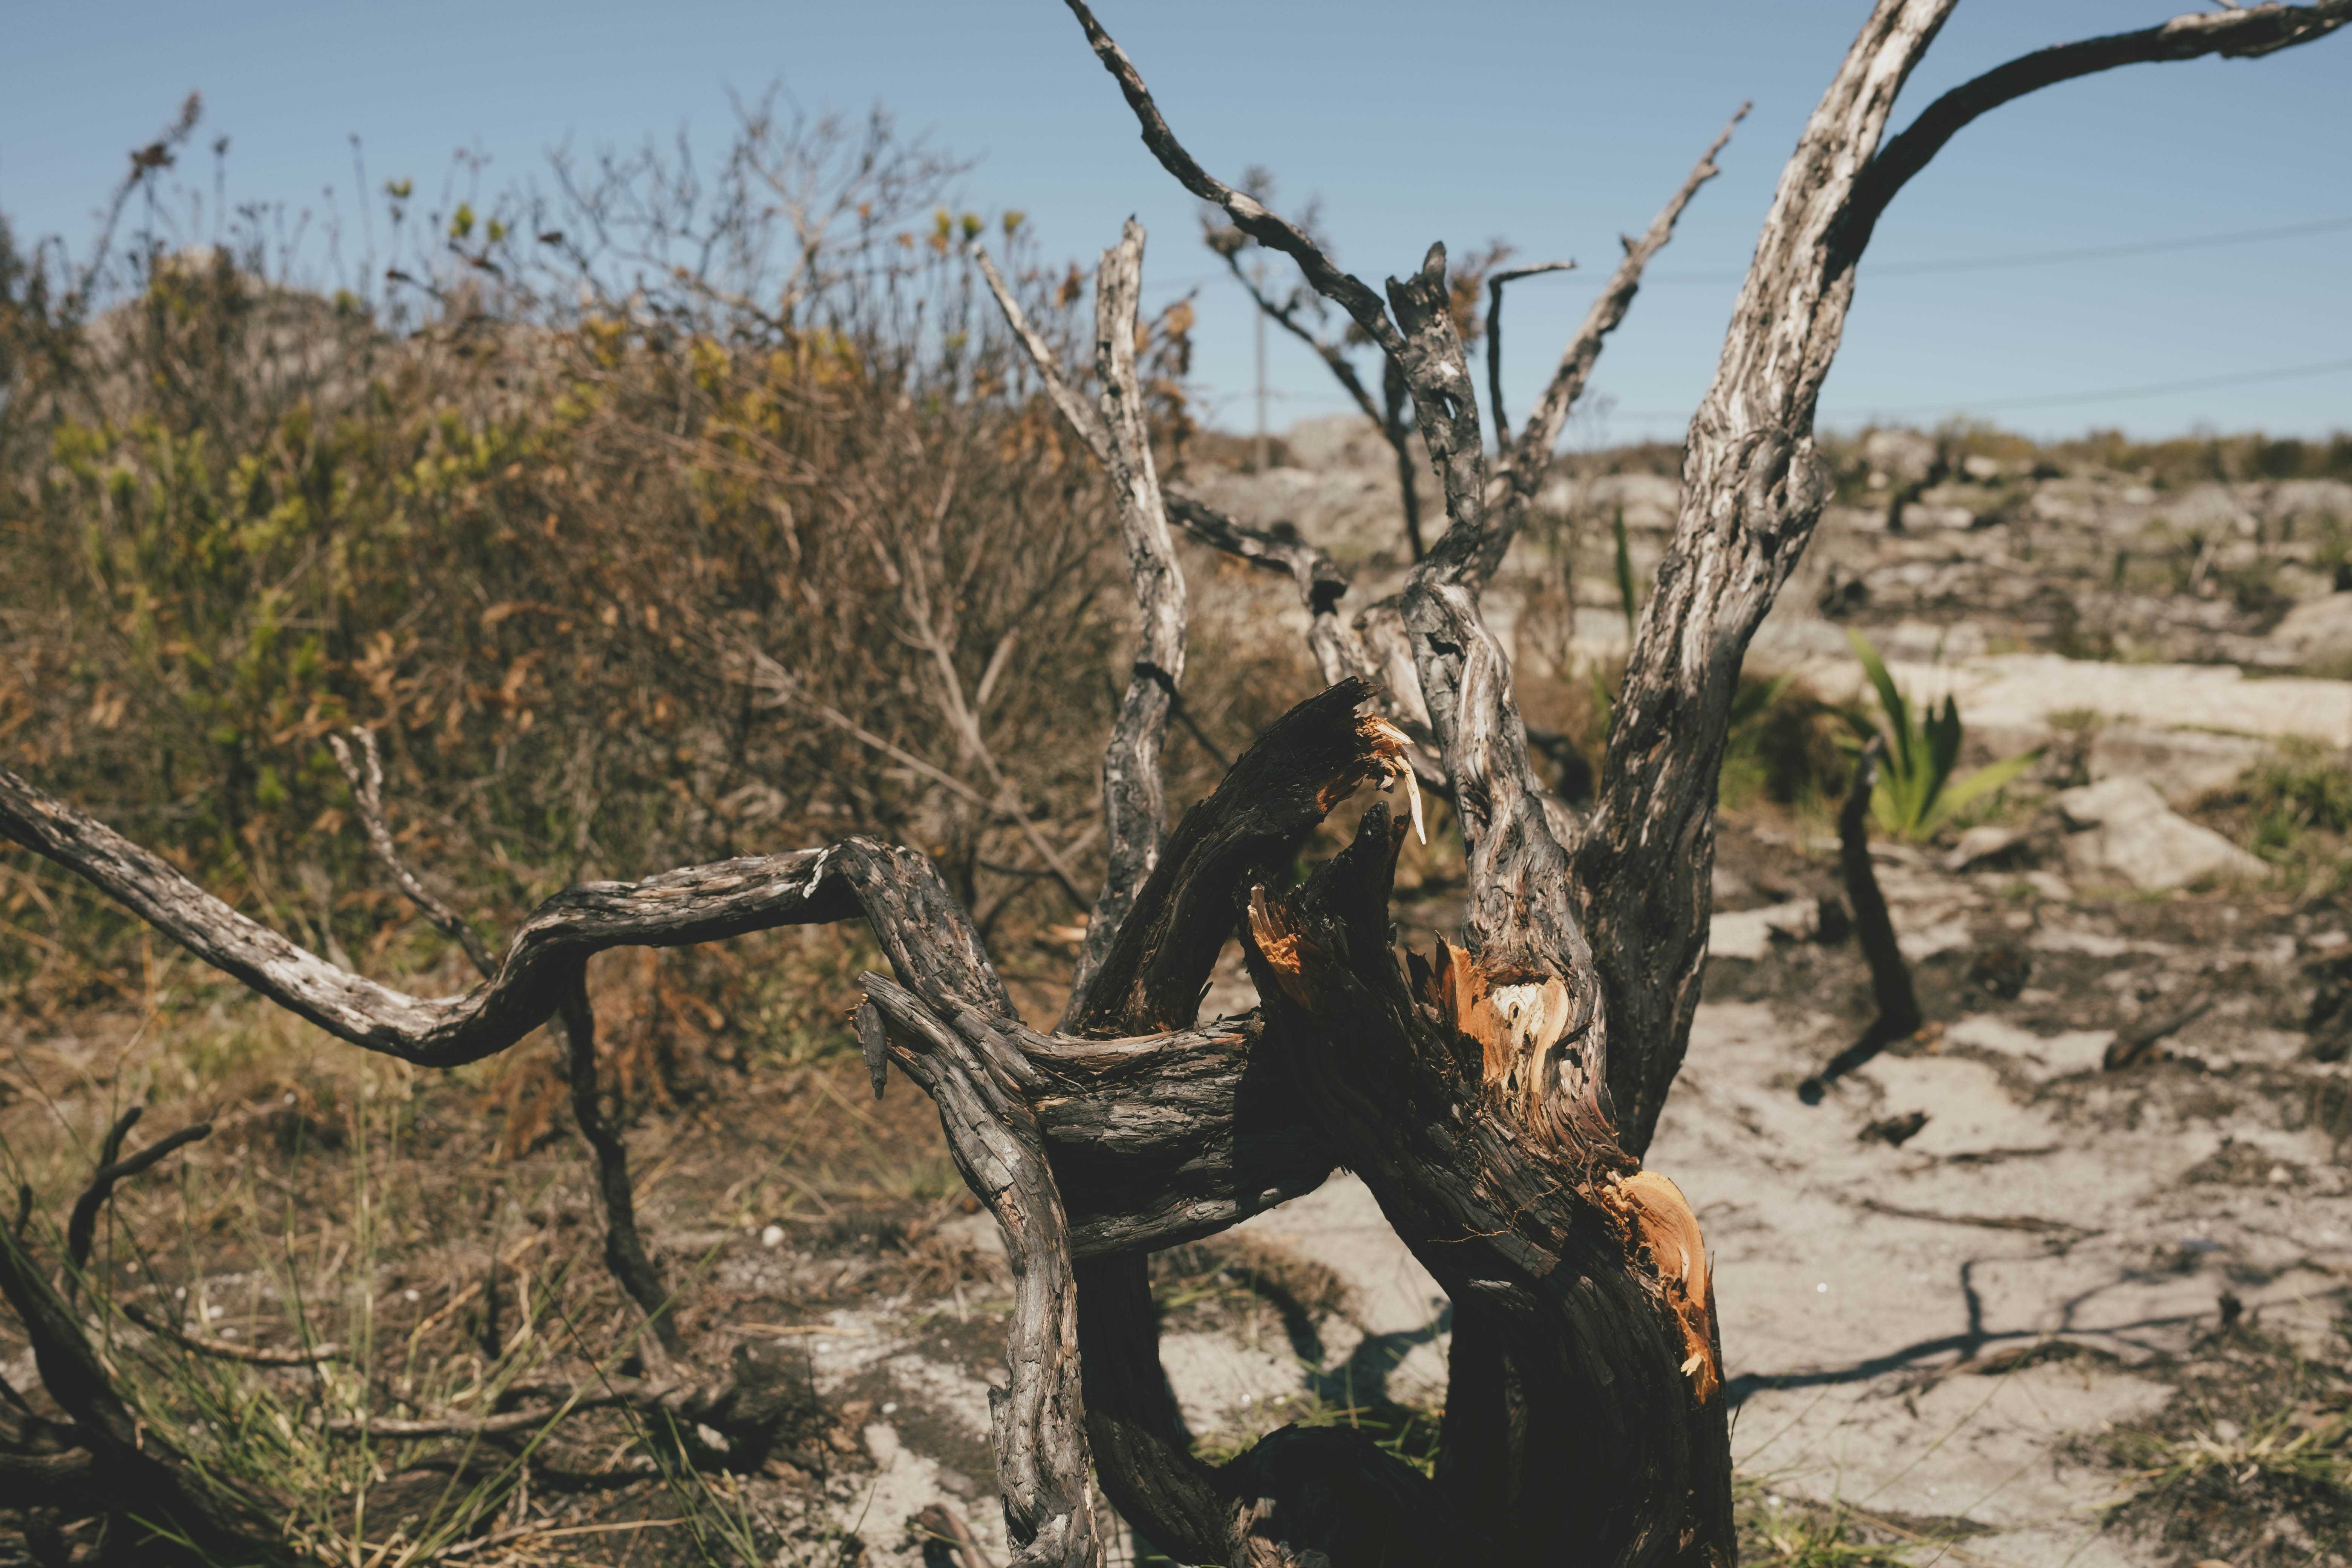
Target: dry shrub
(631, 564)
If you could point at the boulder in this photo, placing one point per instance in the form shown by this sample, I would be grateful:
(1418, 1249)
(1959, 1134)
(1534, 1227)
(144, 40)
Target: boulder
(2124, 830)
(1747, 933)
(2317, 633)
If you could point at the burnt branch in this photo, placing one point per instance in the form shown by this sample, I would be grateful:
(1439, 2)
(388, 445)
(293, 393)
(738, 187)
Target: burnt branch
(1248, 215)
(1519, 893)
(123, 1461)
(1526, 460)
(1591, 1419)
(113, 1168)
(1134, 793)
(1753, 488)
(1874, 928)
(625, 1249)
(973, 1072)
(943, 1524)
(1898, 1016)
(228, 1349)
(1494, 282)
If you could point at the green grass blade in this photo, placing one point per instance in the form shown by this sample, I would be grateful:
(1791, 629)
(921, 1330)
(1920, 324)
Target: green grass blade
(1890, 701)
(1627, 596)
(1982, 782)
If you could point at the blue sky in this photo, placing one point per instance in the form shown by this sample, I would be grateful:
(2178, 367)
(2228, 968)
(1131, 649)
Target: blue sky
(1553, 125)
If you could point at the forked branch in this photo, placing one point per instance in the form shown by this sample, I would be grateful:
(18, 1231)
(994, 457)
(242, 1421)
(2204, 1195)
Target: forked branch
(1526, 460)
(1135, 803)
(1754, 487)
(1280, 548)
(624, 1250)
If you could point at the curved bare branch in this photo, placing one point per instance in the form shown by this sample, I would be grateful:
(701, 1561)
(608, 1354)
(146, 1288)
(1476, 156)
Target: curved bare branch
(919, 925)
(2235, 32)
(1352, 293)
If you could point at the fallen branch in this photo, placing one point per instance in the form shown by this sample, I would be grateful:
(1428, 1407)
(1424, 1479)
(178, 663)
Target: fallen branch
(125, 1463)
(2031, 1225)
(2132, 1046)
(1874, 928)
(227, 1350)
(941, 1523)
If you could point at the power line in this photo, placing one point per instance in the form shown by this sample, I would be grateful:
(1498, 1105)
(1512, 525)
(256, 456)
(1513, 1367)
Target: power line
(2104, 252)
(2151, 389)
(2048, 258)
(1982, 263)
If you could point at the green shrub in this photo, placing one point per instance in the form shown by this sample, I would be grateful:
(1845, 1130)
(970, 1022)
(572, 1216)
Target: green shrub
(1916, 793)
(2302, 789)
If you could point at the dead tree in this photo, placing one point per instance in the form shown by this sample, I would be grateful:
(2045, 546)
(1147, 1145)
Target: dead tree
(1495, 1095)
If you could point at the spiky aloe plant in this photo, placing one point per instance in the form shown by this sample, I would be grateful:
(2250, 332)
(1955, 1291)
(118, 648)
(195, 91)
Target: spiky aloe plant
(1916, 793)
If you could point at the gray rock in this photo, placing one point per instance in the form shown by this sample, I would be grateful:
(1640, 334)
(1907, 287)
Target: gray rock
(1984, 843)
(2317, 633)
(1904, 456)
(2126, 831)
(2183, 764)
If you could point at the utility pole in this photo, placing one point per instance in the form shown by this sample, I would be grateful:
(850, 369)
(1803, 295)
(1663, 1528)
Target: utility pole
(1258, 274)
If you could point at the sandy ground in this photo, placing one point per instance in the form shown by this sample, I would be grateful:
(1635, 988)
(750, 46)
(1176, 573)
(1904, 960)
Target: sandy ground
(1936, 1333)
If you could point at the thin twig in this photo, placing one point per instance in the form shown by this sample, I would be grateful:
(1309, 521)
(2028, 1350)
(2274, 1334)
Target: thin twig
(367, 797)
(624, 1250)
(1494, 282)
(204, 1344)
(1524, 461)
(81, 1227)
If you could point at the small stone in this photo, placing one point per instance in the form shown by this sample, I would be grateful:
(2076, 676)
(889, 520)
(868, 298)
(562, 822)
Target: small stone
(1985, 842)
(773, 1235)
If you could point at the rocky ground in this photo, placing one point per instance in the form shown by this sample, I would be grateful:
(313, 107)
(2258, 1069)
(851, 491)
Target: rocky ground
(1984, 1296)
(2060, 1279)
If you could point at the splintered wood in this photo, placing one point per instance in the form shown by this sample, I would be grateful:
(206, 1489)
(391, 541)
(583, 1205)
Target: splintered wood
(1514, 1027)
(1660, 1217)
